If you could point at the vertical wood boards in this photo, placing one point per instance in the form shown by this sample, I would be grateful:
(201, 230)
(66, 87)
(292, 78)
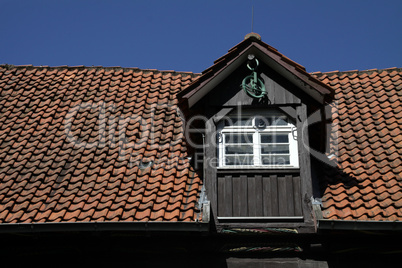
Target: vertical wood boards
(270, 194)
(276, 89)
(259, 196)
(297, 196)
(240, 197)
(254, 188)
(225, 199)
(285, 196)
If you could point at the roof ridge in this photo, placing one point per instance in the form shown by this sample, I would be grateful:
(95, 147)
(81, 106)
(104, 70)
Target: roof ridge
(30, 66)
(369, 71)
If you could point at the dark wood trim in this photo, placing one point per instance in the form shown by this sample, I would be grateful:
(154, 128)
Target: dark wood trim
(300, 226)
(210, 174)
(299, 73)
(274, 263)
(305, 165)
(209, 74)
(280, 219)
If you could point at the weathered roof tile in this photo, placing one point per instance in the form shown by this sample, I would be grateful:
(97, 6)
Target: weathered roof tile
(82, 177)
(369, 144)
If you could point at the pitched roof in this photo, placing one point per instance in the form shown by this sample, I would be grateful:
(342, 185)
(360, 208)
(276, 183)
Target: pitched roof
(367, 183)
(83, 144)
(93, 144)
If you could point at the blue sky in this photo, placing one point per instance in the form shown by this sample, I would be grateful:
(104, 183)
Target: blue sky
(189, 35)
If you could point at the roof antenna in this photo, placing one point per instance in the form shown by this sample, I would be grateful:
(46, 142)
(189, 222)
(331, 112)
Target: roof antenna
(252, 34)
(252, 18)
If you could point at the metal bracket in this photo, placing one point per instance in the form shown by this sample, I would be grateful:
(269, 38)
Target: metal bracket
(204, 205)
(317, 205)
(251, 84)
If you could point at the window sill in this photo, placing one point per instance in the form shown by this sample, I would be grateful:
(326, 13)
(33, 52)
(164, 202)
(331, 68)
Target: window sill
(242, 169)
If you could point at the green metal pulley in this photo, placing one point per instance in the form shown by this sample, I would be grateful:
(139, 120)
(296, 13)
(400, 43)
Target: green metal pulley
(251, 84)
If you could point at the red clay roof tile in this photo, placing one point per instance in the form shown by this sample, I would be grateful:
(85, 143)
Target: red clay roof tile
(369, 144)
(87, 184)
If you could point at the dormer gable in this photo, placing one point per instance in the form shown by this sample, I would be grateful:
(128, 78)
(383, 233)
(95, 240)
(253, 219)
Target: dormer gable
(246, 115)
(293, 72)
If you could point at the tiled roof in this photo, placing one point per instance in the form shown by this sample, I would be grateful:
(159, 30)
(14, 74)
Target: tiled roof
(367, 183)
(85, 144)
(93, 144)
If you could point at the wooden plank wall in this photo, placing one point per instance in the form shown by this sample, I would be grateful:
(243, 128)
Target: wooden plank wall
(229, 92)
(259, 195)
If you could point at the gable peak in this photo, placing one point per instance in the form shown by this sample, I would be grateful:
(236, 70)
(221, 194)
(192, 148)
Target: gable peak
(253, 35)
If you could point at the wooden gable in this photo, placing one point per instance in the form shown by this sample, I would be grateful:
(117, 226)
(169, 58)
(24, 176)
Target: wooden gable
(229, 91)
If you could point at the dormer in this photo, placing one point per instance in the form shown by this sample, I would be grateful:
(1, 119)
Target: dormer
(245, 122)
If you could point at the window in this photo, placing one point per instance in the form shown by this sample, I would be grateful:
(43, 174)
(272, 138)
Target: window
(268, 140)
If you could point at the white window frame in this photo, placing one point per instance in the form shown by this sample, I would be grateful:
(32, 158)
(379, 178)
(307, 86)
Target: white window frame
(288, 128)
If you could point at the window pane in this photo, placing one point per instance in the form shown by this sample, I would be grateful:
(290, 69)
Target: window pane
(274, 138)
(275, 160)
(280, 121)
(275, 149)
(238, 138)
(239, 149)
(239, 160)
